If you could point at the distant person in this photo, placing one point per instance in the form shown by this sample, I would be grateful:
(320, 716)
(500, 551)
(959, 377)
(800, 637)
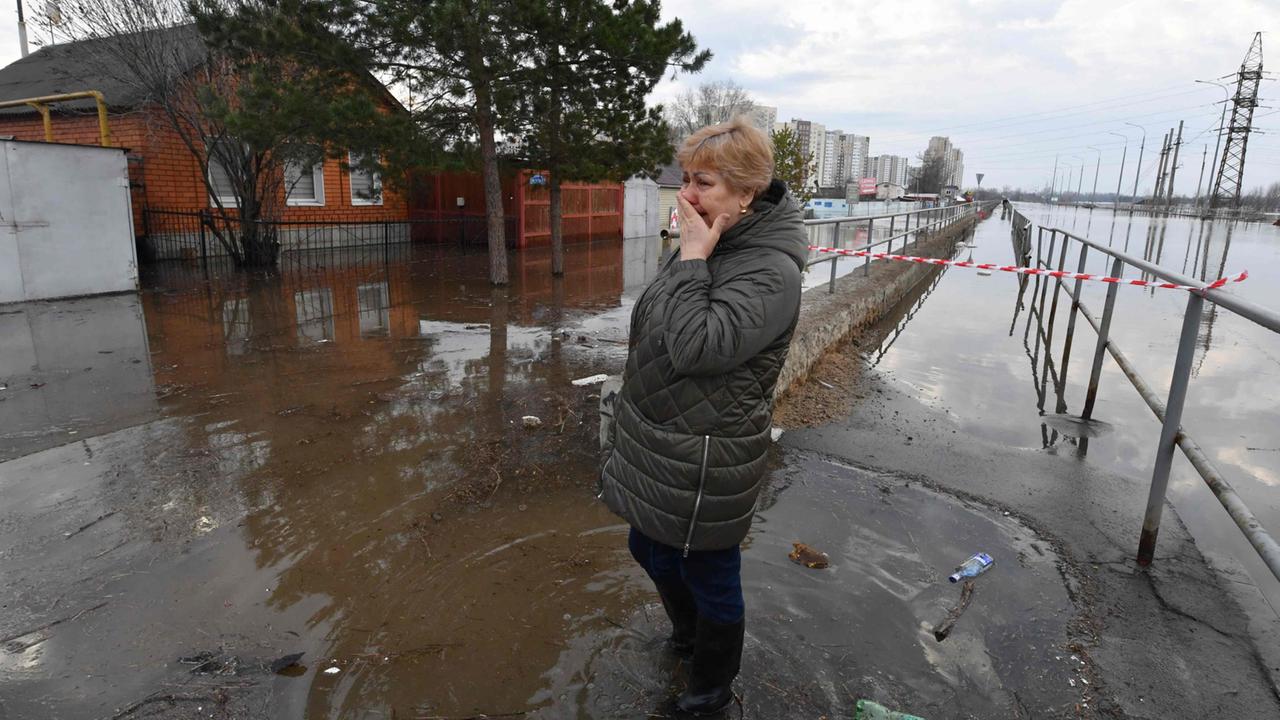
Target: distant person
(708, 339)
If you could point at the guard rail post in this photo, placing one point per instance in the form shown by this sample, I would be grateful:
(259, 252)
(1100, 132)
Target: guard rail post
(871, 223)
(1071, 320)
(1104, 332)
(1171, 428)
(831, 286)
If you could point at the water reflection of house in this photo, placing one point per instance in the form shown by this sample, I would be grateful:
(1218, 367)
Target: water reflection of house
(363, 301)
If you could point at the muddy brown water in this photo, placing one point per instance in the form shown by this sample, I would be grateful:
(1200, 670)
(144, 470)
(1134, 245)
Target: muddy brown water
(211, 475)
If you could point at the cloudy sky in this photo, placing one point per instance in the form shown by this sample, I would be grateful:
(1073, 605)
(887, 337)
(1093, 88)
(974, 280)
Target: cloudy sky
(1012, 82)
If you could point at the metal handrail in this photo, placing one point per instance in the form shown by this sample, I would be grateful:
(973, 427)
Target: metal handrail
(1265, 317)
(946, 215)
(1169, 412)
(860, 218)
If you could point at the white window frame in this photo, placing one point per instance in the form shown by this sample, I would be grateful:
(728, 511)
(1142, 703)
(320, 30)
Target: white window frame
(216, 200)
(317, 177)
(352, 160)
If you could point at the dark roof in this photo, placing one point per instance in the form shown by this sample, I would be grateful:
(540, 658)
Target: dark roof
(94, 64)
(670, 176)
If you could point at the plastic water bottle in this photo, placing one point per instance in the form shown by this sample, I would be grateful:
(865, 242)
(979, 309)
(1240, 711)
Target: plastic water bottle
(868, 710)
(972, 567)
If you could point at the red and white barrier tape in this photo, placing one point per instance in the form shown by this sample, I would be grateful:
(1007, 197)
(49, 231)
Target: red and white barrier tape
(1031, 271)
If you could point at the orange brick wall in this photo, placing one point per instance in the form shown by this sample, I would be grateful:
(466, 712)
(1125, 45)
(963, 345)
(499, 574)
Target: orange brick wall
(164, 174)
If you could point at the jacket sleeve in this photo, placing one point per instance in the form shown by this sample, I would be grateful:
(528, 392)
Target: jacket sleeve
(709, 330)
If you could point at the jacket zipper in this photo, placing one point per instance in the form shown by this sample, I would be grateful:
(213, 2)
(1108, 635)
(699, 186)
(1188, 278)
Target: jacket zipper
(600, 479)
(697, 501)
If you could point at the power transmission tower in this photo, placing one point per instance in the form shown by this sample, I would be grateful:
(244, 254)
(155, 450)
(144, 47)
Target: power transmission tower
(1226, 190)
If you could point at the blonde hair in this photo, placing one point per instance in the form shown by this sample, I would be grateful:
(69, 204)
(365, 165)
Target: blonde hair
(736, 149)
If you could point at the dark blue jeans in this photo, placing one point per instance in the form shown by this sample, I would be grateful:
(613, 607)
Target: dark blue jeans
(714, 577)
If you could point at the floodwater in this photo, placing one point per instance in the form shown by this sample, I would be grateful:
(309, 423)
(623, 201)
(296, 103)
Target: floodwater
(976, 346)
(204, 480)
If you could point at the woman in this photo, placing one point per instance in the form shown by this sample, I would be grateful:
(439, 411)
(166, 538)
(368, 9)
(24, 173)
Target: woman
(692, 420)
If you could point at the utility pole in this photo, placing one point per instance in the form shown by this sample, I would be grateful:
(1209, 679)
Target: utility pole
(1164, 157)
(1226, 189)
(1120, 177)
(1138, 173)
(22, 31)
(1055, 178)
(1096, 167)
(1173, 166)
(1222, 121)
(1203, 156)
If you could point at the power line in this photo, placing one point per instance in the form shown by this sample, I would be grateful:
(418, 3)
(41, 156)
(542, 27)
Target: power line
(999, 123)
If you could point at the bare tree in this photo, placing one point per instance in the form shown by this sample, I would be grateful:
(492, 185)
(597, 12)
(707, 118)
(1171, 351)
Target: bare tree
(707, 104)
(1262, 199)
(239, 118)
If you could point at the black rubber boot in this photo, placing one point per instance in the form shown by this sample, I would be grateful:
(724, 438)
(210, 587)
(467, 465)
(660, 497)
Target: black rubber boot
(717, 655)
(681, 609)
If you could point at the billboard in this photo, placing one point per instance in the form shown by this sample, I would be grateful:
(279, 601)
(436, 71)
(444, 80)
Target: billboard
(867, 186)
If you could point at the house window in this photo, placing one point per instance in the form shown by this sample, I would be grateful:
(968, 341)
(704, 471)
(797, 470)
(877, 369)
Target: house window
(366, 186)
(223, 190)
(304, 187)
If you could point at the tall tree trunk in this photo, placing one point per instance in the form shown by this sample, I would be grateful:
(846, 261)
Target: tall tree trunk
(492, 190)
(557, 215)
(556, 210)
(257, 242)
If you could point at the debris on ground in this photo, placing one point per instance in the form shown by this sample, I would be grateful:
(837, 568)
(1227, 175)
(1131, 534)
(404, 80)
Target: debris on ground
(972, 567)
(289, 665)
(809, 557)
(941, 632)
(531, 421)
(868, 710)
(590, 380)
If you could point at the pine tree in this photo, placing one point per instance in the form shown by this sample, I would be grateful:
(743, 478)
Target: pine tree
(582, 112)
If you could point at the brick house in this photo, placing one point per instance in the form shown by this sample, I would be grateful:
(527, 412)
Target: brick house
(163, 172)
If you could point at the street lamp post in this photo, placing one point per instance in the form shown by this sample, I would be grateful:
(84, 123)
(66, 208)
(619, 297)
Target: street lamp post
(1123, 156)
(1097, 166)
(1213, 168)
(1138, 172)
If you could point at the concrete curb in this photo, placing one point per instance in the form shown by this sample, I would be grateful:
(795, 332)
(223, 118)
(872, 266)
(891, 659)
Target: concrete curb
(826, 319)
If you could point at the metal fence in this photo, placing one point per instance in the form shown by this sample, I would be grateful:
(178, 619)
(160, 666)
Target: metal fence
(864, 233)
(202, 235)
(1049, 241)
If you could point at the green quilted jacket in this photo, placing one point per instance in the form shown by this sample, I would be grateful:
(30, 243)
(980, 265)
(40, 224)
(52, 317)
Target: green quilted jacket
(692, 421)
